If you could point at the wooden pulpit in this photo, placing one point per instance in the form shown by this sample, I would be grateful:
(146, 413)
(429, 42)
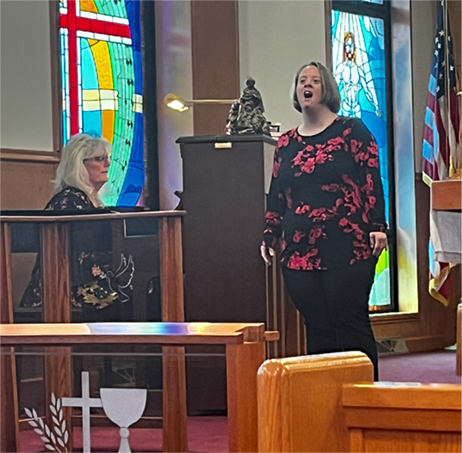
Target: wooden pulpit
(225, 182)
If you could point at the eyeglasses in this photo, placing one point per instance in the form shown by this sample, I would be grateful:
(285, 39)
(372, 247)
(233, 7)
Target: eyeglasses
(101, 159)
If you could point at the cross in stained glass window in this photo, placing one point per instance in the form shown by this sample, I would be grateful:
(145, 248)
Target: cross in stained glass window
(103, 87)
(92, 26)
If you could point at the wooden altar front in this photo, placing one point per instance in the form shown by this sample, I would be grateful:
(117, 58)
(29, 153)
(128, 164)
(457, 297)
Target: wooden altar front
(55, 233)
(245, 352)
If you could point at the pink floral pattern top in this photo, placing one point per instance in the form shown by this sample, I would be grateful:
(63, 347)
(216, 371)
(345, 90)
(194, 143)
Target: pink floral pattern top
(325, 198)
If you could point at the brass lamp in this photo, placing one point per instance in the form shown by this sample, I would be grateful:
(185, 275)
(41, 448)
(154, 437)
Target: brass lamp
(180, 105)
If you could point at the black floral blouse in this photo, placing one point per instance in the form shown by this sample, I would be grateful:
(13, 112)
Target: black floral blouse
(95, 285)
(70, 199)
(325, 198)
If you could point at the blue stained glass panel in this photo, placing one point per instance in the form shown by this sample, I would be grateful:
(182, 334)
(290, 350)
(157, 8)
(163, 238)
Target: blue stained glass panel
(358, 64)
(64, 51)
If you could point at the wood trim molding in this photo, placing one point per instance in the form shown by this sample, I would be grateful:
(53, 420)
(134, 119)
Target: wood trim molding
(56, 89)
(328, 32)
(215, 56)
(394, 318)
(23, 155)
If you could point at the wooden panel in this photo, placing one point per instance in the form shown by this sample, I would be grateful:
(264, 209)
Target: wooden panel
(215, 60)
(9, 428)
(34, 217)
(16, 194)
(403, 417)
(210, 119)
(175, 438)
(447, 195)
(173, 358)
(405, 441)
(404, 396)
(299, 401)
(55, 272)
(56, 289)
(242, 362)
(171, 270)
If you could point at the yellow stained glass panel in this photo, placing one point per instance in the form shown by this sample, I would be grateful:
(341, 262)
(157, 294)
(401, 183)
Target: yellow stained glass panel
(102, 58)
(88, 5)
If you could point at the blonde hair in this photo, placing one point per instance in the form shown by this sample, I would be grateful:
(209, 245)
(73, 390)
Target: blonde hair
(71, 171)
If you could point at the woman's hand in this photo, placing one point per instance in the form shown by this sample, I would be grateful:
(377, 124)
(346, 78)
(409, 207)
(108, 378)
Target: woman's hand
(267, 254)
(378, 242)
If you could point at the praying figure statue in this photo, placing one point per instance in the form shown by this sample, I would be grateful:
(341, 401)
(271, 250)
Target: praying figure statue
(246, 114)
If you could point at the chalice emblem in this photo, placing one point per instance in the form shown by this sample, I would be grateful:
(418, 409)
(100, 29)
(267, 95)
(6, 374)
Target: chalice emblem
(123, 407)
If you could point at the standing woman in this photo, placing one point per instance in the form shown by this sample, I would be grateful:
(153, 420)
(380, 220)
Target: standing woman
(326, 209)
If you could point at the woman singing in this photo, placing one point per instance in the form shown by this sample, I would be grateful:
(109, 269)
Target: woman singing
(325, 208)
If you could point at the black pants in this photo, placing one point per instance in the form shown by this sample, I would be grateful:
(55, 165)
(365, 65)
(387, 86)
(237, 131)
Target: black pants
(334, 304)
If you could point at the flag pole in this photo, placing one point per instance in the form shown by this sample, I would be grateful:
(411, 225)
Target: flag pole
(447, 98)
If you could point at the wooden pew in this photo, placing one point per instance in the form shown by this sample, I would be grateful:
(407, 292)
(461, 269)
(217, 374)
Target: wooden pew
(300, 401)
(318, 403)
(403, 417)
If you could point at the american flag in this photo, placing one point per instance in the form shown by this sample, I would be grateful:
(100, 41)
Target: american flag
(441, 135)
(442, 114)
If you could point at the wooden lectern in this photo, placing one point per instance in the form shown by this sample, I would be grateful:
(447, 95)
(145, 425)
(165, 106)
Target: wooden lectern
(226, 179)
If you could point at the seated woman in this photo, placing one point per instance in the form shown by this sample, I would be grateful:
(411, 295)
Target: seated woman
(101, 293)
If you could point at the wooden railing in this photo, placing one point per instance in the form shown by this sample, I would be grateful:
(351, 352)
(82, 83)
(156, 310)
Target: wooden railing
(56, 284)
(245, 352)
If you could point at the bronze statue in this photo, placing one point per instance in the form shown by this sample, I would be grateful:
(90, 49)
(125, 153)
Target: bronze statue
(246, 114)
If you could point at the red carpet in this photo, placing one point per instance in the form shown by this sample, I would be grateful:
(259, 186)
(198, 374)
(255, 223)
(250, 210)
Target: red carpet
(209, 434)
(205, 434)
(437, 367)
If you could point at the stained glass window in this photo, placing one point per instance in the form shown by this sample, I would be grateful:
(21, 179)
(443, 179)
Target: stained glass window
(102, 86)
(359, 67)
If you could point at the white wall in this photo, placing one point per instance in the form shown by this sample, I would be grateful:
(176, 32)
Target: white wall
(277, 37)
(174, 75)
(26, 115)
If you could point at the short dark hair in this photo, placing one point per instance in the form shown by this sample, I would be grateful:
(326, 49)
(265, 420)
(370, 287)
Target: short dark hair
(330, 94)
